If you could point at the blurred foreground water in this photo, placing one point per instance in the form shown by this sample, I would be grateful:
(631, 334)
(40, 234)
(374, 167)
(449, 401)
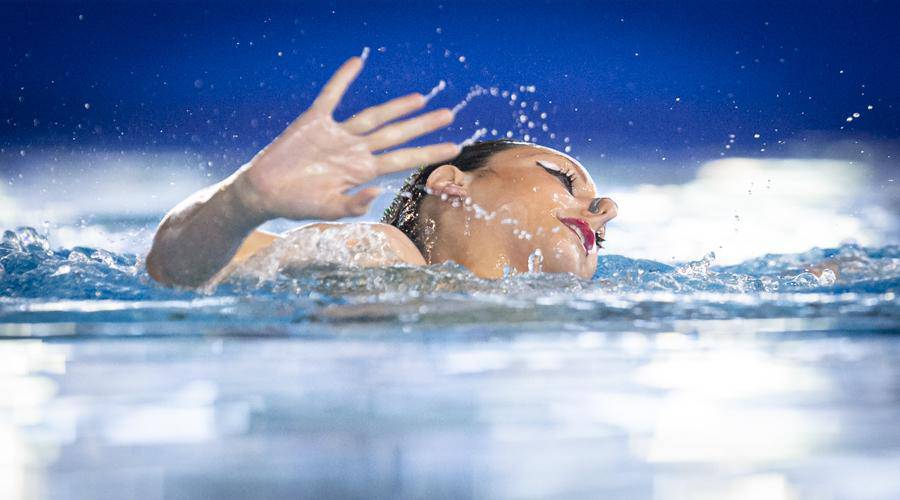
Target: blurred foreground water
(758, 380)
(705, 360)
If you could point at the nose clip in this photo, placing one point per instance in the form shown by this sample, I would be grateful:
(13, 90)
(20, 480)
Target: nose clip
(594, 207)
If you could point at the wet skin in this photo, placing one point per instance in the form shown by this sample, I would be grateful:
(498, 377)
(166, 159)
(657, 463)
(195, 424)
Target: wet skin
(524, 199)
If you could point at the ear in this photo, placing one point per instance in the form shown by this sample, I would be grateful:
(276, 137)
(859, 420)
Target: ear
(448, 180)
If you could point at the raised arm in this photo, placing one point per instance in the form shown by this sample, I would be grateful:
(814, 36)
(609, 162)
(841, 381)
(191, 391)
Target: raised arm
(305, 173)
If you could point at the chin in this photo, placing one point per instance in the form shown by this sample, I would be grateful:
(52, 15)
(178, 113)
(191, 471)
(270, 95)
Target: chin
(570, 259)
(587, 272)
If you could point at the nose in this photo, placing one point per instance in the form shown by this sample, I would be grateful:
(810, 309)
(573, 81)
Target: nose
(603, 209)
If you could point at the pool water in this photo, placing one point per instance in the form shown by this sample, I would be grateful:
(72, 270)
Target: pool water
(652, 380)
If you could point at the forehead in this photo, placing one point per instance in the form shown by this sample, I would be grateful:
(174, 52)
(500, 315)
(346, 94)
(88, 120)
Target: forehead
(527, 156)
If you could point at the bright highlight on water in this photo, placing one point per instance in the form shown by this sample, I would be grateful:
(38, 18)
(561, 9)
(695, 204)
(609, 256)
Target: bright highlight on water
(637, 251)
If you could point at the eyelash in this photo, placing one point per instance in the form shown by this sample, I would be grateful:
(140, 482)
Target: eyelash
(567, 178)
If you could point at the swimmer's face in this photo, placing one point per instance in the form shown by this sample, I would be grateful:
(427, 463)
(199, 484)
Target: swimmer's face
(524, 201)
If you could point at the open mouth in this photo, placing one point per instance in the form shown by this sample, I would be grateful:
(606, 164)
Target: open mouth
(583, 230)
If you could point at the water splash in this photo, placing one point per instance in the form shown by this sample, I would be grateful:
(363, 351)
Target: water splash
(530, 122)
(437, 89)
(478, 134)
(41, 284)
(474, 92)
(536, 261)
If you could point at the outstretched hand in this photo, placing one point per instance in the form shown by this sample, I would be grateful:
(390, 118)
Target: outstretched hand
(306, 171)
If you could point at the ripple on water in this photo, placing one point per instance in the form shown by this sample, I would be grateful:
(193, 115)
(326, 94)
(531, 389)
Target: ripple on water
(40, 284)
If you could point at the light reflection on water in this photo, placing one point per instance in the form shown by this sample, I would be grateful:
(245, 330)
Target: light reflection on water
(690, 380)
(672, 413)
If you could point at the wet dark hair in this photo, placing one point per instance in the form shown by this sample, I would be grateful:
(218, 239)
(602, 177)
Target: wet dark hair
(403, 213)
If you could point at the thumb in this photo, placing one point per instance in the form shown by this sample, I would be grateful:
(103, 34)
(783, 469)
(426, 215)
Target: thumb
(358, 204)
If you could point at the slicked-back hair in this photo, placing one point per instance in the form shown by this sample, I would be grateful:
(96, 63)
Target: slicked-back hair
(403, 213)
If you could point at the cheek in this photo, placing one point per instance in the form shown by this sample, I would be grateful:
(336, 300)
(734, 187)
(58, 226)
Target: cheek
(522, 217)
(522, 209)
(527, 209)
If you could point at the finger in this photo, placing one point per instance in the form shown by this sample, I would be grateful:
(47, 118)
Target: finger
(407, 158)
(398, 133)
(337, 86)
(358, 204)
(376, 116)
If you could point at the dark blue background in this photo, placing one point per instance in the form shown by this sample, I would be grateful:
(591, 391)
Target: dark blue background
(207, 77)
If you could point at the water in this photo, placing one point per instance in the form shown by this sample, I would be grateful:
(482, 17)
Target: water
(652, 380)
(702, 361)
(40, 284)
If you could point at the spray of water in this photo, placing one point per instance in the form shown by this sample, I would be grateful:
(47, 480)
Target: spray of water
(437, 89)
(536, 261)
(476, 91)
(478, 134)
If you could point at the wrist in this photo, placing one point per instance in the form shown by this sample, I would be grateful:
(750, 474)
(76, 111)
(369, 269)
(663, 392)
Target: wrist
(246, 202)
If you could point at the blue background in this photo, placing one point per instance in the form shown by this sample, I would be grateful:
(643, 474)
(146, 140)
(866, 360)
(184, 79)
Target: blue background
(626, 80)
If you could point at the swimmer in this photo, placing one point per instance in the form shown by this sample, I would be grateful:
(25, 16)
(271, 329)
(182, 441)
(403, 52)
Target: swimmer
(490, 206)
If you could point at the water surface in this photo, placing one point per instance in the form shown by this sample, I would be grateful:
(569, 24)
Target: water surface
(758, 380)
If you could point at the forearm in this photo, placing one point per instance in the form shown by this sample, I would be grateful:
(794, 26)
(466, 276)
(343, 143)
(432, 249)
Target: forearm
(199, 236)
(307, 172)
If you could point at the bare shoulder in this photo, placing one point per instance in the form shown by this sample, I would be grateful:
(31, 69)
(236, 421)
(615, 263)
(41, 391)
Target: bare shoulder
(363, 244)
(369, 243)
(252, 244)
(399, 242)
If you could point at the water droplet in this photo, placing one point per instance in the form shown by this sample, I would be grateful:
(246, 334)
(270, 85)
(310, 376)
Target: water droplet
(536, 261)
(827, 278)
(441, 85)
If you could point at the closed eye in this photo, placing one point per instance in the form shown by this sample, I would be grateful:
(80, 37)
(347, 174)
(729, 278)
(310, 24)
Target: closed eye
(566, 178)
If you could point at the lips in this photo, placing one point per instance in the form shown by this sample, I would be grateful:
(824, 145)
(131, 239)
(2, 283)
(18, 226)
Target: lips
(583, 230)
